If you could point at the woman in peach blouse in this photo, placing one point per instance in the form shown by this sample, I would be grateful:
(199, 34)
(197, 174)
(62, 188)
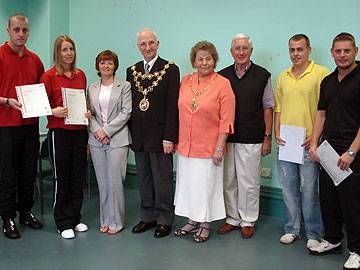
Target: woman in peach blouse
(206, 116)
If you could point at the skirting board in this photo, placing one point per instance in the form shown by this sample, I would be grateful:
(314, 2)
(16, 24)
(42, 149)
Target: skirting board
(271, 200)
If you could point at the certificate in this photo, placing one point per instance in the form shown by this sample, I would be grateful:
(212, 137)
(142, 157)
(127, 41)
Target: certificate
(74, 101)
(328, 160)
(294, 137)
(33, 99)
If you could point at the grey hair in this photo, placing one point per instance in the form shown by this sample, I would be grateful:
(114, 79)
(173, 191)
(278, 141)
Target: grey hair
(241, 36)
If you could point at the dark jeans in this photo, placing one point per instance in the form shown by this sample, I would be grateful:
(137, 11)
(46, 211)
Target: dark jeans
(19, 151)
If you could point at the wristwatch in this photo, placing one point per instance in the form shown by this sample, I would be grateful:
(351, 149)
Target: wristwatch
(7, 102)
(351, 152)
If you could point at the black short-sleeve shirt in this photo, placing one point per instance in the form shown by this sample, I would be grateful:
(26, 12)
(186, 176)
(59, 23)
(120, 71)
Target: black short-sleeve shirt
(341, 102)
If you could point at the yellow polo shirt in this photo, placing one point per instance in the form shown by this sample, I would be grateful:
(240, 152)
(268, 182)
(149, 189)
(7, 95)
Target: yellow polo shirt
(297, 98)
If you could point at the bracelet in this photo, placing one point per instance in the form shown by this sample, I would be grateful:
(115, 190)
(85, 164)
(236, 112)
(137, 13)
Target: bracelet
(7, 102)
(267, 135)
(218, 148)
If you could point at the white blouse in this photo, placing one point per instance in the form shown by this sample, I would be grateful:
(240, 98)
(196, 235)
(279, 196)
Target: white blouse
(104, 97)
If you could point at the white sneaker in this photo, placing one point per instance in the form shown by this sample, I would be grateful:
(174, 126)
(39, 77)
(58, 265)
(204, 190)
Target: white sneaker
(81, 227)
(68, 234)
(353, 262)
(326, 247)
(312, 243)
(288, 238)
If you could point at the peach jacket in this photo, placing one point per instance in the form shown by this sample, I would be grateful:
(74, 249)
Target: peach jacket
(215, 113)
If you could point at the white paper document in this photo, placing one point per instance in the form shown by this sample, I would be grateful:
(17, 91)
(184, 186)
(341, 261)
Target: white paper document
(34, 100)
(328, 160)
(75, 102)
(294, 137)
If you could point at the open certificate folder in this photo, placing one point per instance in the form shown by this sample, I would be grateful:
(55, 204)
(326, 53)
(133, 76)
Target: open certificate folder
(294, 137)
(328, 160)
(33, 99)
(74, 101)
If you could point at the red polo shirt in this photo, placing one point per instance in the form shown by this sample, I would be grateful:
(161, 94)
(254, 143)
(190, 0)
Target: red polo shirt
(53, 84)
(17, 70)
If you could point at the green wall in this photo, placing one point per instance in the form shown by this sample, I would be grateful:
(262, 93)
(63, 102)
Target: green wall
(9, 7)
(181, 23)
(98, 25)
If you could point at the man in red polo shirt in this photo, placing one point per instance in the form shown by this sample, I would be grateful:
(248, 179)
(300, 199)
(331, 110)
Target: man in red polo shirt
(19, 144)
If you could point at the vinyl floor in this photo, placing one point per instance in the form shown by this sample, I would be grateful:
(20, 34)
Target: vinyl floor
(92, 250)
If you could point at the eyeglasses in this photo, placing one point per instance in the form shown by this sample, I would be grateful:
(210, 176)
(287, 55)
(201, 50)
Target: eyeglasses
(244, 49)
(144, 44)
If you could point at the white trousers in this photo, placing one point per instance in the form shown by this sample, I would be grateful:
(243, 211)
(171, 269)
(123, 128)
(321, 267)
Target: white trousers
(242, 183)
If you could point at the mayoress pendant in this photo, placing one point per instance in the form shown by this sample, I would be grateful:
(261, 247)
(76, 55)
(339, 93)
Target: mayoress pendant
(193, 104)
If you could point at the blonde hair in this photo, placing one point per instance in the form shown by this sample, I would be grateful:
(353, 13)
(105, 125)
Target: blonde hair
(57, 54)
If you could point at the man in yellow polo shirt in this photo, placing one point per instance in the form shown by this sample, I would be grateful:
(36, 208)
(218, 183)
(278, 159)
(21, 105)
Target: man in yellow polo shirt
(296, 95)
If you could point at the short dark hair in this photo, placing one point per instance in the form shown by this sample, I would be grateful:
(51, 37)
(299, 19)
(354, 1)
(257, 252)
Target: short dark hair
(343, 36)
(18, 16)
(107, 55)
(298, 37)
(205, 46)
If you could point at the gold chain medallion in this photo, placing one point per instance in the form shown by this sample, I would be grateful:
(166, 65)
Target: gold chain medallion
(144, 103)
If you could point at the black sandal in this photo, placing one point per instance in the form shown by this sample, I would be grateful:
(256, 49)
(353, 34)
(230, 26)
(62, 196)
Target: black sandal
(182, 232)
(198, 238)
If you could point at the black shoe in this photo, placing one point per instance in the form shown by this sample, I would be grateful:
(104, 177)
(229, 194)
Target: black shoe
(30, 220)
(162, 231)
(143, 227)
(10, 230)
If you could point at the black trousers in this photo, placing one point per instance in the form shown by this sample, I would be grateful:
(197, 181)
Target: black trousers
(19, 151)
(341, 206)
(155, 171)
(67, 151)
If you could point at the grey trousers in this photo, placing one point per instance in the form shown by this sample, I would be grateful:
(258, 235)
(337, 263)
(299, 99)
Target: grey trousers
(155, 170)
(110, 169)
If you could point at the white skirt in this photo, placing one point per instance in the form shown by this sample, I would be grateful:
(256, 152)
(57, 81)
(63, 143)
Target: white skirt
(199, 189)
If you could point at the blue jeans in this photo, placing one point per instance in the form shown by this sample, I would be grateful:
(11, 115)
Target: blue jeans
(300, 190)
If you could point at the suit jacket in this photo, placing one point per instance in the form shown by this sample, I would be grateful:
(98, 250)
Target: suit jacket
(161, 120)
(119, 111)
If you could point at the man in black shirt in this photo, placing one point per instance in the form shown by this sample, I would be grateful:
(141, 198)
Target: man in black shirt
(338, 121)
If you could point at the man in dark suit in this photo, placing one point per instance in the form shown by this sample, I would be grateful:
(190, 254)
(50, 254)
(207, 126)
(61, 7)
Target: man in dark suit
(154, 130)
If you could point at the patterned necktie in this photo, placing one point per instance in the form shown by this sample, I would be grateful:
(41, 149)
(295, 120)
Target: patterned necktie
(147, 68)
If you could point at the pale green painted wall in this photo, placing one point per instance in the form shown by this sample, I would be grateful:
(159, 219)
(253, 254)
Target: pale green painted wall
(98, 25)
(9, 7)
(180, 23)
